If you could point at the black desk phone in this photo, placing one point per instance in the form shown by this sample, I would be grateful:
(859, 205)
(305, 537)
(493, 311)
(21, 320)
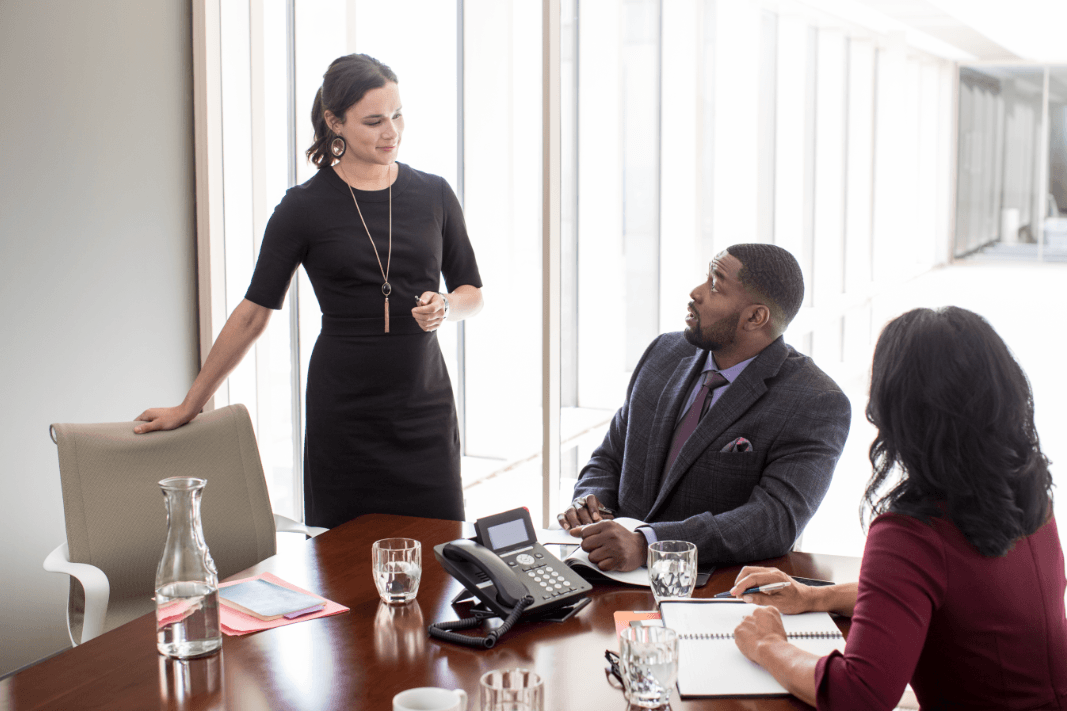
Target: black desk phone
(509, 571)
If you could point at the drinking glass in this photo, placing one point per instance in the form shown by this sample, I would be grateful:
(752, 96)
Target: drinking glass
(648, 659)
(672, 569)
(397, 567)
(512, 690)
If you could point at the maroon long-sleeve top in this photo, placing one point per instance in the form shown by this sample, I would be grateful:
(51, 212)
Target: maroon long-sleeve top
(968, 631)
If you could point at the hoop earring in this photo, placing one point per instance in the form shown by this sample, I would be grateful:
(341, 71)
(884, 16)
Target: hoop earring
(338, 147)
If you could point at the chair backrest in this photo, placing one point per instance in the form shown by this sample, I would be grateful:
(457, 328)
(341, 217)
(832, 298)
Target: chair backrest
(115, 513)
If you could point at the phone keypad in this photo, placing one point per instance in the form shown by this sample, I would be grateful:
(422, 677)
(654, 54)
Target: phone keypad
(552, 583)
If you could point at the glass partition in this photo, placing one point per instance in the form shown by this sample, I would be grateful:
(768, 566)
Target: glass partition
(1055, 232)
(1012, 162)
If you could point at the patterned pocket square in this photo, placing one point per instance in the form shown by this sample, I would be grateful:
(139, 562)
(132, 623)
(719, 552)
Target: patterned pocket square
(738, 445)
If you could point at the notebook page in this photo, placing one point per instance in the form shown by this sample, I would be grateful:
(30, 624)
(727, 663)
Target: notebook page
(715, 666)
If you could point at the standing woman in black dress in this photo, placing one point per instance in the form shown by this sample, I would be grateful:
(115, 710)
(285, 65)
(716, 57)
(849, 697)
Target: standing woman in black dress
(374, 236)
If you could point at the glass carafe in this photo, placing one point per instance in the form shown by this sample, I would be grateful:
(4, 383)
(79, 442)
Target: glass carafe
(187, 583)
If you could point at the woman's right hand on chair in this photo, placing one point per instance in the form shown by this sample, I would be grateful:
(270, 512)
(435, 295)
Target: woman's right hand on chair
(162, 418)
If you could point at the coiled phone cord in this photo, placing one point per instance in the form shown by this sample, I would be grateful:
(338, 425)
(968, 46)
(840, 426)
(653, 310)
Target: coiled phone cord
(440, 629)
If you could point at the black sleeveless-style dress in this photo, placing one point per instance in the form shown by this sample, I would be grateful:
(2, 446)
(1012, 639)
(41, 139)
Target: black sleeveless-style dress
(381, 433)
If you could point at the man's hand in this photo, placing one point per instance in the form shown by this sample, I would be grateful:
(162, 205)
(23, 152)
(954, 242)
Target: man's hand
(611, 547)
(584, 510)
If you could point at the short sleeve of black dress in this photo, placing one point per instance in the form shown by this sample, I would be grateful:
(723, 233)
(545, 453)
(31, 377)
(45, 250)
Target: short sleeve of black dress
(381, 434)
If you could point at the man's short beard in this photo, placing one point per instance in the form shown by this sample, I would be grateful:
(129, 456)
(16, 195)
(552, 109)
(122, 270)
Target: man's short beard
(719, 335)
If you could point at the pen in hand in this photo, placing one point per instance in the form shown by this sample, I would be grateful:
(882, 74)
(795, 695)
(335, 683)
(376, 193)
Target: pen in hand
(769, 587)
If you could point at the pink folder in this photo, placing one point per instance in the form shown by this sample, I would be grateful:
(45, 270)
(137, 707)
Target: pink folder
(236, 623)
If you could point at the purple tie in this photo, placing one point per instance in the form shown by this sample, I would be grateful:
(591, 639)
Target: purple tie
(714, 379)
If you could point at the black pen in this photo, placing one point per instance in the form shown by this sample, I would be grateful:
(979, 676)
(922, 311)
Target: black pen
(769, 587)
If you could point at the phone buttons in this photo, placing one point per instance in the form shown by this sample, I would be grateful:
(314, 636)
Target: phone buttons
(525, 558)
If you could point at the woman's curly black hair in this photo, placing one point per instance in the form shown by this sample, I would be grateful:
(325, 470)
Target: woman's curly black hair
(955, 415)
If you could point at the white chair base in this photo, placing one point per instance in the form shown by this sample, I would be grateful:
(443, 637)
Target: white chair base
(93, 581)
(98, 590)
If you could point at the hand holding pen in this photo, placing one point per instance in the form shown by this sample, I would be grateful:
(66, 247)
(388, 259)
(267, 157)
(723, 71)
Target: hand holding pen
(770, 586)
(584, 510)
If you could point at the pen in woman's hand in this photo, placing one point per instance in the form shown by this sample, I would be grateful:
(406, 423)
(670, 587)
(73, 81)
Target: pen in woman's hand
(769, 587)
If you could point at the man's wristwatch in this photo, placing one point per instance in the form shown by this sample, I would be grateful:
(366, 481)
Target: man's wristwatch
(447, 306)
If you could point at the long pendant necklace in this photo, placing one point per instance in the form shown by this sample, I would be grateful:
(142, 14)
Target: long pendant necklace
(386, 288)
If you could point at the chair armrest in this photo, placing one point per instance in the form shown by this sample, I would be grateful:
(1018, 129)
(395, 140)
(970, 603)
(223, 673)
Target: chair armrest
(284, 524)
(93, 581)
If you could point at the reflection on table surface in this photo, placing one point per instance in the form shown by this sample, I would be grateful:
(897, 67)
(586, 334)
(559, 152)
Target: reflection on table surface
(361, 659)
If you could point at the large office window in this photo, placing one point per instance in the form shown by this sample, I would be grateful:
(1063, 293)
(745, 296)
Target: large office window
(686, 126)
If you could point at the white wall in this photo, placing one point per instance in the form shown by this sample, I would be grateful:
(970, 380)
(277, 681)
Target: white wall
(97, 245)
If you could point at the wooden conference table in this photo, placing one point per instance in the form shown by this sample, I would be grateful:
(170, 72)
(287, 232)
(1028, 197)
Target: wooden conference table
(361, 659)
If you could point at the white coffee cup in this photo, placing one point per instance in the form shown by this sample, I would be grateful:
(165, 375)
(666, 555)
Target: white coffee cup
(430, 698)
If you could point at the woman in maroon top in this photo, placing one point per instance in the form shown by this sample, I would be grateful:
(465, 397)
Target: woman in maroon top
(961, 590)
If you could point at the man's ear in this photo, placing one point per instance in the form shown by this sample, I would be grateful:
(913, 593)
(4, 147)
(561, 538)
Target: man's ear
(756, 317)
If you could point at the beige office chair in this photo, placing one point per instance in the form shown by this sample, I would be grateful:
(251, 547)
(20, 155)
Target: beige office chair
(116, 518)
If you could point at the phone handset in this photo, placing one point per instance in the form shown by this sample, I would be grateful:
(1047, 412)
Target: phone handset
(510, 574)
(509, 589)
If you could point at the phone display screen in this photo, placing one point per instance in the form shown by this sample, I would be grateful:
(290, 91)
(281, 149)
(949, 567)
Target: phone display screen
(507, 534)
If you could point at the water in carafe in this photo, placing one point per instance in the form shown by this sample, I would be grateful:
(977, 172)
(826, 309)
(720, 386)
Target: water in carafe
(187, 585)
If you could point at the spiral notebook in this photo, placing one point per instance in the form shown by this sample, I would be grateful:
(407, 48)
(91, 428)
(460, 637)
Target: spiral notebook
(709, 662)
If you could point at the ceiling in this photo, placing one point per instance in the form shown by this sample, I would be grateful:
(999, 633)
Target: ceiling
(966, 30)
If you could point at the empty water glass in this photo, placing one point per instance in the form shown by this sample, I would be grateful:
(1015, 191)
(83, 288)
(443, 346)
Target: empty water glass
(512, 690)
(648, 659)
(397, 567)
(672, 569)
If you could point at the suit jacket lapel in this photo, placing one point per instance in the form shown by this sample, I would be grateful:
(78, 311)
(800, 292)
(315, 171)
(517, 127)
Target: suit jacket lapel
(738, 398)
(670, 400)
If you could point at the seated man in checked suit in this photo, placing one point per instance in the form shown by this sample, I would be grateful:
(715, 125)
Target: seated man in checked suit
(727, 438)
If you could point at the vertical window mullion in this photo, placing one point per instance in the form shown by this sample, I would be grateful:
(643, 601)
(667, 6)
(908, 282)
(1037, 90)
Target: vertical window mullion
(550, 278)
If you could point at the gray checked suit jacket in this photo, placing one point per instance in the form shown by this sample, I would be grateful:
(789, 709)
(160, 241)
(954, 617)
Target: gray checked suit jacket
(735, 506)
